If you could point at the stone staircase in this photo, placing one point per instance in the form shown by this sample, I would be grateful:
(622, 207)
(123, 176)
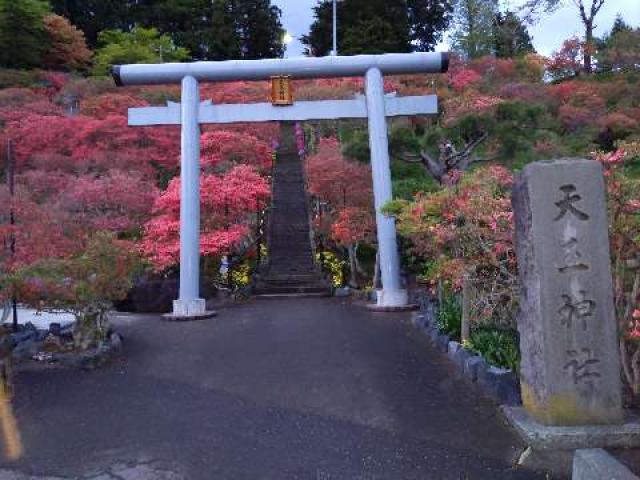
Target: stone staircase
(291, 269)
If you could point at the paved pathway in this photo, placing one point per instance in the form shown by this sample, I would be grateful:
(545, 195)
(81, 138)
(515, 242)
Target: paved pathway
(271, 389)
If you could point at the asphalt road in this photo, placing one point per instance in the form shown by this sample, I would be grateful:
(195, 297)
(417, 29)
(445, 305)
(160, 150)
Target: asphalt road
(271, 389)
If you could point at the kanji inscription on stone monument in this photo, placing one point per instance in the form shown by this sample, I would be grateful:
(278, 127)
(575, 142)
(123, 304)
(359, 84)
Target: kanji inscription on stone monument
(570, 372)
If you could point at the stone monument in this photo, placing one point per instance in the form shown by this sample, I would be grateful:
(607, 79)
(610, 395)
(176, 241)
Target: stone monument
(570, 371)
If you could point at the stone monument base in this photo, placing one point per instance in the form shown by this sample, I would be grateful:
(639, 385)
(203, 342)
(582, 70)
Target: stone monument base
(551, 447)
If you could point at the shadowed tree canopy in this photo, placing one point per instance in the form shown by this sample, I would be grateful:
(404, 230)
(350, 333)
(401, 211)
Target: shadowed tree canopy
(378, 26)
(22, 33)
(93, 16)
(209, 29)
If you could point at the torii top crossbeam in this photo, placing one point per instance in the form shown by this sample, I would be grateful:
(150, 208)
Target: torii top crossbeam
(301, 67)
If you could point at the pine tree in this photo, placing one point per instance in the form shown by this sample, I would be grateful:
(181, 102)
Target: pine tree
(259, 28)
(510, 36)
(205, 27)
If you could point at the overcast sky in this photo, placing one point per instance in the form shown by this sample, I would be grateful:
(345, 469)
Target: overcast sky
(548, 34)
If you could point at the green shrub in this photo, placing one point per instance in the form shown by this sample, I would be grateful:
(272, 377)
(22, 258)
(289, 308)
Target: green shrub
(18, 78)
(498, 347)
(333, 265)
(450, 317)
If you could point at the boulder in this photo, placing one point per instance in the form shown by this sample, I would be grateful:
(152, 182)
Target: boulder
(472, 365)
(502, 384)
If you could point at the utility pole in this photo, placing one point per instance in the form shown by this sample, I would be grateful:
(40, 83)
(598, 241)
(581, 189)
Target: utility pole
(12, 222)
(335, 29)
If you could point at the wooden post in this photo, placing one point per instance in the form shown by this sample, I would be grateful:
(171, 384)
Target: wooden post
(12, 222)
(258, 233)
(468, 297)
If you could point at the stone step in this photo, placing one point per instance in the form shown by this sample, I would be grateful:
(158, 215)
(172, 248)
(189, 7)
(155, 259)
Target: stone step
(291, 269)
(277, 296)
(289, 289)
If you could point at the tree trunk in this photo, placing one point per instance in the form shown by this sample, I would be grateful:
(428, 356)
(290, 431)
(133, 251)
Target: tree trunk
(468, 298)
(588, 46)
(353, 274)
(90, 329)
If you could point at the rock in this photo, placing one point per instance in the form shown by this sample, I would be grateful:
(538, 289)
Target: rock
(342, 292)
(7, 344)
(46, 357)
(55, 329)
(452, 348)
(67, 330)
(442, 342)
(568, 332)
(30, 327)
(52, 344)
(116, 342)
(151, 294)
(25, 350)
(472, 365)
(417, 319)
(460, 358)
(27, 333)
(42, 334)
(597, 464)
(433, 333)
(501, 384)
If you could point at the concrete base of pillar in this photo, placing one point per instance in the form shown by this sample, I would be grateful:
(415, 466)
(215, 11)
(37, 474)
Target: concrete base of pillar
(392, 301)
(190, 310)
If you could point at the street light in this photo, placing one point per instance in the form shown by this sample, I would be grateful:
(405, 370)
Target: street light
(335, 29)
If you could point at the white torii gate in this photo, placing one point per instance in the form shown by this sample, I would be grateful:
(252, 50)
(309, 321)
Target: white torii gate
(191, 112)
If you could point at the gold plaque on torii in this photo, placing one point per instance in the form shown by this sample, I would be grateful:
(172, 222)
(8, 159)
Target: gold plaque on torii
(281, 91)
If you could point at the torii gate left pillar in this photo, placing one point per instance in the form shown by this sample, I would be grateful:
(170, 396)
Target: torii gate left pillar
(189, 302)
(375, 107)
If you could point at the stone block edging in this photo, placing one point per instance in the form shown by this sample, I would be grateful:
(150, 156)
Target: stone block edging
(499, 383)
(597, 464)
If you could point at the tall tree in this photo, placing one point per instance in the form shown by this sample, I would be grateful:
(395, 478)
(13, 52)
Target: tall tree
(588, 15)
(377, 26)
(205, 27)
(259, 28)
(473, 33)
(587, 9)
(510, 36)
(22, 33)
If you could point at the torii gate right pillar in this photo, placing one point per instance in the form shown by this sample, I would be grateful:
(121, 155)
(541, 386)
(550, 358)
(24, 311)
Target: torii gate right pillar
(392, 293)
